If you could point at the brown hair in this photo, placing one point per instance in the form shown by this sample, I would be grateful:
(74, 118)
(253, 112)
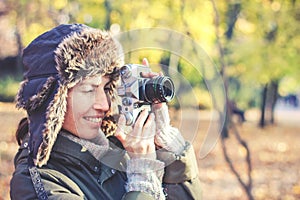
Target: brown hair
(22, 130)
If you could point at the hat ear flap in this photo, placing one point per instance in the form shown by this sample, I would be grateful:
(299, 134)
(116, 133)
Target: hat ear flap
(38, 99)
(20, 103)
(109, 123)
(54, 121)
(41, 97)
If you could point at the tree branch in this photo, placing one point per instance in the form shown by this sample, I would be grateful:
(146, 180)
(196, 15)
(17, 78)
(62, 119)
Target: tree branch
(247, 186)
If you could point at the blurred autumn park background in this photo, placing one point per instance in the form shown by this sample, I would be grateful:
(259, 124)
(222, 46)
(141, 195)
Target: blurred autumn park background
(255, 46)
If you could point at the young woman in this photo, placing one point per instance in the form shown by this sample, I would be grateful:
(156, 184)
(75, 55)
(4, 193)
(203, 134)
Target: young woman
(71, 146)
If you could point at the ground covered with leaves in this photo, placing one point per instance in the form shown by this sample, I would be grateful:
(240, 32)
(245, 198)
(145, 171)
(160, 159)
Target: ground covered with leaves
(275, 156)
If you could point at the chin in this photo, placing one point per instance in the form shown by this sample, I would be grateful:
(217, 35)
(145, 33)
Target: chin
(89, 134)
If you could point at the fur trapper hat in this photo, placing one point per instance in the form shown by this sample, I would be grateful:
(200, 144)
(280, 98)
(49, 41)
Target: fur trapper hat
(55, 62)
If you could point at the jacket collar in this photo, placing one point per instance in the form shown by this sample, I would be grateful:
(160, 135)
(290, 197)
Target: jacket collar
(114, 160)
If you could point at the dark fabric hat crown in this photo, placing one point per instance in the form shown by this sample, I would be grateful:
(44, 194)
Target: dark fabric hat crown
(53, 63)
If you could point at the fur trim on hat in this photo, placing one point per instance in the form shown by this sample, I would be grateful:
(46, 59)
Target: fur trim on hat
(20, 102)
(38, 99)
(54, 121)
(86, 54)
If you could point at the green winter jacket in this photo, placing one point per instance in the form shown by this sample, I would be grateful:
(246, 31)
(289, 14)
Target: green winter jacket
(73, 173)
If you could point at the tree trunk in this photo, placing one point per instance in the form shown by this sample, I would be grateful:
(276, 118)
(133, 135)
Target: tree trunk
(229, 125)
(108, 9)
(269, 99)
(263, 106)
(274, 89)
(20, 47)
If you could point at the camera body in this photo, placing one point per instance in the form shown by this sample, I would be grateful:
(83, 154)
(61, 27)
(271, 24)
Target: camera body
(138, 93)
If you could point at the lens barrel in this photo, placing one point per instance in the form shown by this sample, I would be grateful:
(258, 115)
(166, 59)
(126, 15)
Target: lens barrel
(158, 89)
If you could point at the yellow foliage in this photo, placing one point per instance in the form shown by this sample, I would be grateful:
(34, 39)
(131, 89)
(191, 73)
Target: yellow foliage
(59, 4)
(33, 31)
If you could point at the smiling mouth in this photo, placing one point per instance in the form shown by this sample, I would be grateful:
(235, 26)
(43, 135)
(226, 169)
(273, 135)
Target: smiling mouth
(94, 119)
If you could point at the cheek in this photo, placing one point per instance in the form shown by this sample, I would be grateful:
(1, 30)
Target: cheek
(78, 105)
(76, 108)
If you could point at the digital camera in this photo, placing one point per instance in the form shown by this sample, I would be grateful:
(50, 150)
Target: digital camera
(138, 93)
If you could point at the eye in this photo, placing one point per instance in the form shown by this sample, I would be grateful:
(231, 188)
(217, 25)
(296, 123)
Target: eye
(87, 89)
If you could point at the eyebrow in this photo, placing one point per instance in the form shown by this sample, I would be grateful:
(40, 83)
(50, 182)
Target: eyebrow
(105, 80)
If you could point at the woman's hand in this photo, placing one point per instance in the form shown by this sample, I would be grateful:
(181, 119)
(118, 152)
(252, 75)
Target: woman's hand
(139, 142)
(166, 136)
(144, 171)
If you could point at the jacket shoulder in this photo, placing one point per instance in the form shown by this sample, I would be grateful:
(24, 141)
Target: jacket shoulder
(56, 184)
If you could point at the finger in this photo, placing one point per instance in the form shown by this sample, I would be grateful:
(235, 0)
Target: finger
(149, 127)
(149, 74)
(139, 124)
(145, 62)
(120, 132)
(158, 105)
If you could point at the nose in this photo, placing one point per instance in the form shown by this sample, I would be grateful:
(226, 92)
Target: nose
(101, 102)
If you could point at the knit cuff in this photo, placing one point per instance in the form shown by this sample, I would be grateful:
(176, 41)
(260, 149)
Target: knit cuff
(162, 117)
(145, 175)
(167, 137)
(170, 139)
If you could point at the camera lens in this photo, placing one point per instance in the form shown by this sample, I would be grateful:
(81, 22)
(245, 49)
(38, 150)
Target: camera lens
(158, 89)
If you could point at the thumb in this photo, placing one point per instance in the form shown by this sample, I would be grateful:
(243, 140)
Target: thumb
(120, 132)
(145, 62)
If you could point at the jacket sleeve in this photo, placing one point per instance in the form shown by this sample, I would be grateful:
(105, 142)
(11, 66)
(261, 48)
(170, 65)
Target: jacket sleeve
(136, 195)
(180, 179)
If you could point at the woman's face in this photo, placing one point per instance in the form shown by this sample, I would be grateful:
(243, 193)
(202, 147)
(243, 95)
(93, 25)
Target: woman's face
(87, 104)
